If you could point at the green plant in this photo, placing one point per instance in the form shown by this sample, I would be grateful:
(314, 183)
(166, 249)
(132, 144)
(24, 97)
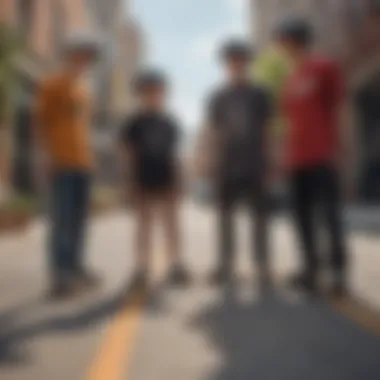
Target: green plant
(20, 204)
(10, 46)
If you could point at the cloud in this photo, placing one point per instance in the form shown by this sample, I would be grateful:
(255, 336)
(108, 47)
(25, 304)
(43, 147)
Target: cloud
(205, 46)
(237, 6)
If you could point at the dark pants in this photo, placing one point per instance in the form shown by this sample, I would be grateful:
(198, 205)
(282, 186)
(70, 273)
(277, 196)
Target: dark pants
(230, 195)
(70, 199)
(317, 189)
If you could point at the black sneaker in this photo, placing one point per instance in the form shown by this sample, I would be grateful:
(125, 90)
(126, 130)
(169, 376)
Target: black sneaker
(339, 287)
(63, 287)
(178, 276)
(88, 279)
(139, 282)
(265, 280)
(220, 277)
(304, 282)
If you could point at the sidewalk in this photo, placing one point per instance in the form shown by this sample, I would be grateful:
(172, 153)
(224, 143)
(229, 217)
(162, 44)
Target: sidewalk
(198, 333)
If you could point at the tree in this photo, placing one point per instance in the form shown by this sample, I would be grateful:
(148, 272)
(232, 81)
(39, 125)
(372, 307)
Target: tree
(9, 47)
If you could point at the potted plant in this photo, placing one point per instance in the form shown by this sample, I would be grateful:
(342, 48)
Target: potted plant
(16, 213)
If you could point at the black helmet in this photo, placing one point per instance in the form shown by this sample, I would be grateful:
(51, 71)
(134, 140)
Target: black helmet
(236, 48)
(149, 78)
(295, 29)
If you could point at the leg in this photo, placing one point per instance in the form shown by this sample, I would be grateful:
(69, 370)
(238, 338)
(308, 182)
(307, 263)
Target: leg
(226, 232)
(81, 195)
(169, 202)
(225, 235)
(331, 202)
(259, 221)
(59, 223)
(60, 249)
(169, 209)
(304, 204)
(144, 224)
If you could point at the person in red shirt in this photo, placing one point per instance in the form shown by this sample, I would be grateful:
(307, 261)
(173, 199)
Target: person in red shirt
(312, 102)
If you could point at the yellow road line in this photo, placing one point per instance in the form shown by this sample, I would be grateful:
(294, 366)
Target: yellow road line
(115, 353)
(358, 312)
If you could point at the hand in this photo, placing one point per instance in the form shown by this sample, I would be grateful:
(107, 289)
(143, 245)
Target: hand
(130, 194)
(43, 172)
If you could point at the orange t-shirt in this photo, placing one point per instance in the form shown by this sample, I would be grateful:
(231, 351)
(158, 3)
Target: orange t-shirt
(63, 122)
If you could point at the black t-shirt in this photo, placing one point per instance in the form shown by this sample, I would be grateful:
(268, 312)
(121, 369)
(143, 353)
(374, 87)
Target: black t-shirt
(154, 138)
(240, 114)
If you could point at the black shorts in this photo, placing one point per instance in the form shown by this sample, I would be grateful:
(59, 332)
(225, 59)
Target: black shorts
(239, 189)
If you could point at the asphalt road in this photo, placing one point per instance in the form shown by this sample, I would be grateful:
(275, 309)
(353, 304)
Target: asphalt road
(198, 333)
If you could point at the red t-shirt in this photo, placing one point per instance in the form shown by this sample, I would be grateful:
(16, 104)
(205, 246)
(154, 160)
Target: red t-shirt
(311, 103)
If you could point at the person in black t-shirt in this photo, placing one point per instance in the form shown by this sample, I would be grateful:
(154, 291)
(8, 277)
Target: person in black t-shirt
(149, 140)
(238, 117)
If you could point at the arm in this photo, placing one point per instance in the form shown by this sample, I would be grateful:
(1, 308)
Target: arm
(208, 143)
(344, 134)
(267, 136)
(40, 123)
(127, 158)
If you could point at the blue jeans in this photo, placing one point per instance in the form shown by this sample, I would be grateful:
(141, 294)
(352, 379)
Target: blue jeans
(70, 200)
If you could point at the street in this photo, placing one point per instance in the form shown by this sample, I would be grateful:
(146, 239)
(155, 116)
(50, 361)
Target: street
(198, 333)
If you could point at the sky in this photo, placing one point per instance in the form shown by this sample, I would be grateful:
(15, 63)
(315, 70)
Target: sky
(181, 37)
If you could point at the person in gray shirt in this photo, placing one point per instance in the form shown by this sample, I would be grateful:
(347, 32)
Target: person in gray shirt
(238, 116)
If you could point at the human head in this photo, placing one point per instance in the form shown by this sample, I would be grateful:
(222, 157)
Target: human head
(80, 52)
(236, 56)
(295, 36)
(151, 87)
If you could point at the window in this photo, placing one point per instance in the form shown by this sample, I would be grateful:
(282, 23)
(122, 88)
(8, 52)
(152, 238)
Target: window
(25, 11)
(59, 27)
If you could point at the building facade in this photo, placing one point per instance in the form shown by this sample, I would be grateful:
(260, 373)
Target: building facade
(41, 26)
(120, 62)
(348, 30)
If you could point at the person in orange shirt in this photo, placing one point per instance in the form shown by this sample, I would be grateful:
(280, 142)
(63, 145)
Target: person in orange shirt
(63, 115)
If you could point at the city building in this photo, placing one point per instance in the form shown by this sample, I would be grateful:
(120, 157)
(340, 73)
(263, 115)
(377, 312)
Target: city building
(120, 61)
(349, 30)
(41, 26)
(129, 51)
(113, 78)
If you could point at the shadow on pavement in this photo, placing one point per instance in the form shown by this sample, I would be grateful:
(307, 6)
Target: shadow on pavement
(277, 338)
(15, 337)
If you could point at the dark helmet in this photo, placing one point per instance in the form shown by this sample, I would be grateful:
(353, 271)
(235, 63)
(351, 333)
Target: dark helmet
(295, 29)
(236, 48)
(149, 78)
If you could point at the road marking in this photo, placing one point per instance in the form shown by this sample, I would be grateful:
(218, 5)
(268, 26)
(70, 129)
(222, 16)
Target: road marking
(360, 313)
(115, 354)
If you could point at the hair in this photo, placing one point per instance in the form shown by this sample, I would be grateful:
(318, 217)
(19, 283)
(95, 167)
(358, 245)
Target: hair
(149, 79)
(297, 30)
(236, 48)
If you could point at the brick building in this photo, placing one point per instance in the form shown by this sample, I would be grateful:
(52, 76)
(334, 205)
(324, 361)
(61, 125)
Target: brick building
(42, 25)
(349, 30)
(123, 40)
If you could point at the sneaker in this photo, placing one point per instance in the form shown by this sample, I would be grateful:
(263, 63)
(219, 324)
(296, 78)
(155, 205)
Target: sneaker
(265, 280)
(178, 276)
(339, 287)
(63, 288)
(88, 279)
(220, 277)
(139, 282)
(304, 282)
